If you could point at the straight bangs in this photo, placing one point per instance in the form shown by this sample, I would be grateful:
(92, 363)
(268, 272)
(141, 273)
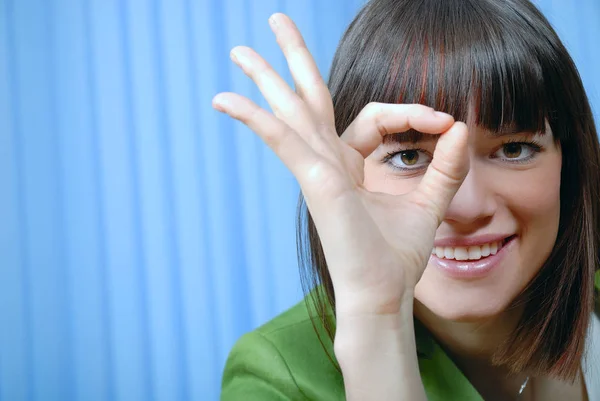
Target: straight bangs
(461, 59)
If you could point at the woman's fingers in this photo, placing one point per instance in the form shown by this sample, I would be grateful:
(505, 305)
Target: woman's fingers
(285, 142)
(309, 83)
(376, 120)
(450, 162)
(446, 172)
(286, 104)
(283, 100)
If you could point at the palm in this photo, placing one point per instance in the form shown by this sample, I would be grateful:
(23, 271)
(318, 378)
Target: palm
(376, 245)
(391, 236)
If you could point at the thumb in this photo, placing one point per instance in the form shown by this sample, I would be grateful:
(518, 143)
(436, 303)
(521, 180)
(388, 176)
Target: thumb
(446, 171)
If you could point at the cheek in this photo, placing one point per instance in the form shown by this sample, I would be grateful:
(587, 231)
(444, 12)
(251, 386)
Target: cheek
(379, 178)
(533, 198)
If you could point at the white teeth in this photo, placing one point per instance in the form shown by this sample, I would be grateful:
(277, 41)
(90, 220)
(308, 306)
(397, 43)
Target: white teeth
(461, 253)
(467, 253)
(439, 251)
(474, 252)
(485, 250)
(448, 253)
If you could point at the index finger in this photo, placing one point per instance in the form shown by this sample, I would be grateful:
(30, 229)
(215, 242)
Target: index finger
(376, 120)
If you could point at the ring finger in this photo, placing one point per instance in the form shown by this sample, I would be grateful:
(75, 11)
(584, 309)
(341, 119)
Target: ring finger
(286, 104)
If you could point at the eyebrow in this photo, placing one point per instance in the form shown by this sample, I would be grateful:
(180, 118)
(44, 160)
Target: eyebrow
(513, 130)
(414, 136)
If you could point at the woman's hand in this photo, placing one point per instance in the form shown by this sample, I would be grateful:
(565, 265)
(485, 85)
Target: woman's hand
(376, 245)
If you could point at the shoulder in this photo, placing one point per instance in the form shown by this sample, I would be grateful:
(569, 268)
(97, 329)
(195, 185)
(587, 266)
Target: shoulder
(285, 360)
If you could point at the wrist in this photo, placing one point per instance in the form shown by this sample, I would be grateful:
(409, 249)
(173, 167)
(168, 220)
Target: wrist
(374, 351)
(371, 304)
(359, 333)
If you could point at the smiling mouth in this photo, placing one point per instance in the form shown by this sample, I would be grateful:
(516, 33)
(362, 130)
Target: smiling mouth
(471, 253)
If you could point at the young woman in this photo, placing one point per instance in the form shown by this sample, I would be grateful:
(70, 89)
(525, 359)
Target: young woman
(451, 172)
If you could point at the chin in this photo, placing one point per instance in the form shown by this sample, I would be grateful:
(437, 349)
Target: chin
(461, 315)
(460, 305)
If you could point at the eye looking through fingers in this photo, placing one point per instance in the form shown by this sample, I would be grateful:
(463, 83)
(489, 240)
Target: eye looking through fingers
(409, 160)
(407, 153)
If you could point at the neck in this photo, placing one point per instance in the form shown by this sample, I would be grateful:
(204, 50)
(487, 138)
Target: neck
(471, 345)
(475, 340)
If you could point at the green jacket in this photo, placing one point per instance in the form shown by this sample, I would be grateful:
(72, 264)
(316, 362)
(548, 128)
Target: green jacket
(284, 360)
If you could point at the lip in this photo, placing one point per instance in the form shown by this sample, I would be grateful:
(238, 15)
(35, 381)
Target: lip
(471, 241)
(464, 269)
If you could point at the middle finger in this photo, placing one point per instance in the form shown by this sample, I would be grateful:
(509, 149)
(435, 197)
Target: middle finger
(307, 78)
(283, 100)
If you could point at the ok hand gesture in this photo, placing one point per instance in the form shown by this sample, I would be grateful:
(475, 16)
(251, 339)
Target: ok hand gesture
(376, 245)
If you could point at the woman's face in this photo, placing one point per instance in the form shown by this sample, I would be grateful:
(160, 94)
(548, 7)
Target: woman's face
(510, 200)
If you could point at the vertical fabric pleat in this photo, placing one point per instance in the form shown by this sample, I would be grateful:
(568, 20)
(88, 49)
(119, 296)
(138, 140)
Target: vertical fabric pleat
(141, 232)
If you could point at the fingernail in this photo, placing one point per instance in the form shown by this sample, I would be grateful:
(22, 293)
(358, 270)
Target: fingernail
(217, 104)
(273, 20)
(233, 57)
(442, 115)
(241, 55)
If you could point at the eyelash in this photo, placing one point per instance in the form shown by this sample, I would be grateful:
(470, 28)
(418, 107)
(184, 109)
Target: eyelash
(390, 156)
(535, 147)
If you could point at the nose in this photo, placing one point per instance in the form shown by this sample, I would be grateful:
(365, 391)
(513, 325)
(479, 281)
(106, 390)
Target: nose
(474, 203)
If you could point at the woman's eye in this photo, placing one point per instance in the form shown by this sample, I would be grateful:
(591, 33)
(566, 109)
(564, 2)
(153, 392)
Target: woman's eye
(409, 159)
(516, 152)
(512, 150)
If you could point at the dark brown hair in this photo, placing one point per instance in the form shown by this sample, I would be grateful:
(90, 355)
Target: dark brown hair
(501, 60)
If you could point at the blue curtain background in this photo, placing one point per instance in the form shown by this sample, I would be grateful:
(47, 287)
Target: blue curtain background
(141, 232)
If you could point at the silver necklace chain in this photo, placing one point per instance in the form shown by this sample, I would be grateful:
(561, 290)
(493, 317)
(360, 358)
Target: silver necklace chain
(522, 388)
